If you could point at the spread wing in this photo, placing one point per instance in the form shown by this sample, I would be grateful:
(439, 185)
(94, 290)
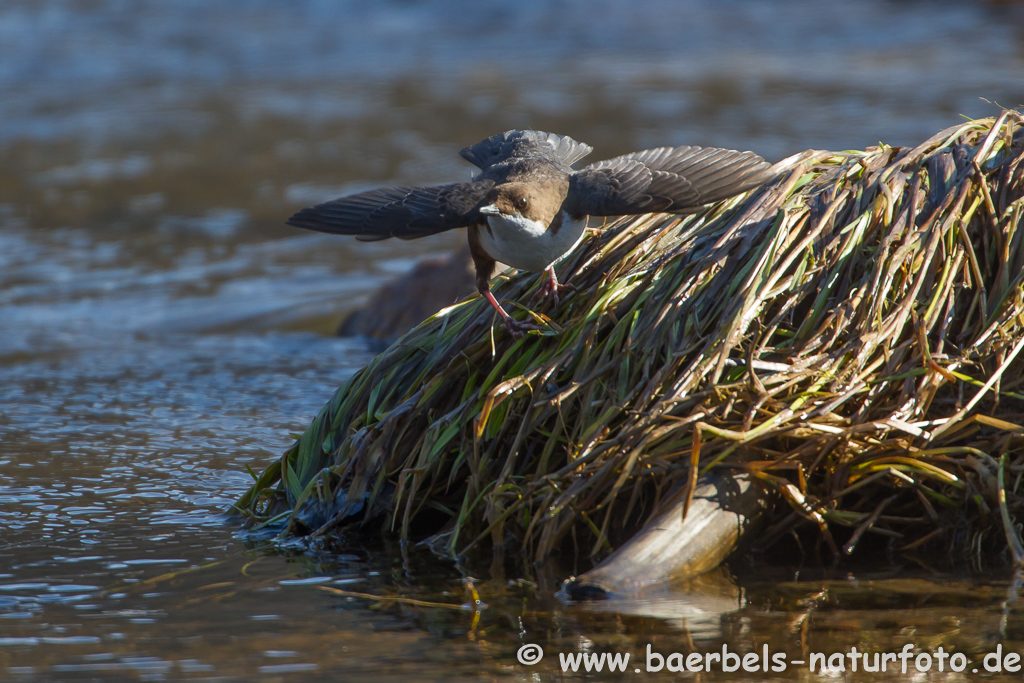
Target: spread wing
(403, 212)
(669, 179)
(525, 143)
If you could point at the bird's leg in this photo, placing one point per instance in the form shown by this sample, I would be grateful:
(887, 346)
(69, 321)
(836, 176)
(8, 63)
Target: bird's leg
(551, 287)
(484, 266)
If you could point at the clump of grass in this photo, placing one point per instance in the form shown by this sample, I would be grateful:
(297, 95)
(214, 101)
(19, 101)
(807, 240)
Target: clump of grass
(850, 334)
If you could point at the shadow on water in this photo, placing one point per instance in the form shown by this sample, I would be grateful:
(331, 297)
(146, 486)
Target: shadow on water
(161, 330)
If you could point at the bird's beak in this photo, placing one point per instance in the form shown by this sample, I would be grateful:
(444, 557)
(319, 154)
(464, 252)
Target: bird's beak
(490, 210)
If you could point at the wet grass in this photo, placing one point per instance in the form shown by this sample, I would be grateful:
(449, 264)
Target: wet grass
(849, 334)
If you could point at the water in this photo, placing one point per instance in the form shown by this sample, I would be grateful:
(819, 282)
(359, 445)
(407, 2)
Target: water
(161, 330)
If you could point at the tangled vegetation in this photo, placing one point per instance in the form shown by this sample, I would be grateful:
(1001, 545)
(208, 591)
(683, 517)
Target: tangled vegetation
(850, 334)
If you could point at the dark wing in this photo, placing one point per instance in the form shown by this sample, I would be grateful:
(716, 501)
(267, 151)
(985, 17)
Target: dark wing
(403, 212)
(669, 179)
(525, 143)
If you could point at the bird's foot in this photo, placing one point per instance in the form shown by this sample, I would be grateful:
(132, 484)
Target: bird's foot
(518, 328)
(515, 328)
(551, 287)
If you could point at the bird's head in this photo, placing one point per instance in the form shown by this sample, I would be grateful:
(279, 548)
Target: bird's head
(509, 199)
(522, 201)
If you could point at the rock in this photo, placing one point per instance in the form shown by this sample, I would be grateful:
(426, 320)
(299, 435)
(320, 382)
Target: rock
(402, 303)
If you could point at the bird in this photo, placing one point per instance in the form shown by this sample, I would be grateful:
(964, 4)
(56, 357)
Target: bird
(528, 206)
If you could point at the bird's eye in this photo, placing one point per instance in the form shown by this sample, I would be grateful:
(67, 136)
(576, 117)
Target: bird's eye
(522, 202)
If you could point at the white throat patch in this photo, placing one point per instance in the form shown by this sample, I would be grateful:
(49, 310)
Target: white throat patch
(527, 244)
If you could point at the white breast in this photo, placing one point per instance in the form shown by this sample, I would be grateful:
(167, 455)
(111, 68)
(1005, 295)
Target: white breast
(529, 245)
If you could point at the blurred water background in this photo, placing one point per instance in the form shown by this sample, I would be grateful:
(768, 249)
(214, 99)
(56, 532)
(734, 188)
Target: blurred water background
(160, 328)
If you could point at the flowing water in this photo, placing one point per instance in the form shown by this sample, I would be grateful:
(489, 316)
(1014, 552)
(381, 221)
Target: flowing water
(161, 330)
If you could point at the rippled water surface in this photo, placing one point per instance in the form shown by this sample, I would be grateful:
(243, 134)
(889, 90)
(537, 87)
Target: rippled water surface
(161, 330)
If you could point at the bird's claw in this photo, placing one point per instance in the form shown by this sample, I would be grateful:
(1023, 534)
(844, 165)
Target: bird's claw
(552, 289)
(518, 328)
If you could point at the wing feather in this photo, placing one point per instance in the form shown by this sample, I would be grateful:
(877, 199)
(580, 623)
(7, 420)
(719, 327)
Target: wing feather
(671, 179)
(403, 212)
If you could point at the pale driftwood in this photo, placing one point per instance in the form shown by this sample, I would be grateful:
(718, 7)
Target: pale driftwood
(724, 509)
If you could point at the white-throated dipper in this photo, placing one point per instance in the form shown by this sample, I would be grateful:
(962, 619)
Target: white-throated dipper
(528, 207)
